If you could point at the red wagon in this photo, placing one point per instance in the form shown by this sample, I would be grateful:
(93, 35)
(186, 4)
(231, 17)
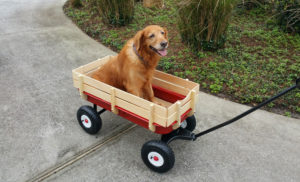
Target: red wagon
(176, 97)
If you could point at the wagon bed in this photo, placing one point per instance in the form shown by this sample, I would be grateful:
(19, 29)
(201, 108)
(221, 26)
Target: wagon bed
(176, 96)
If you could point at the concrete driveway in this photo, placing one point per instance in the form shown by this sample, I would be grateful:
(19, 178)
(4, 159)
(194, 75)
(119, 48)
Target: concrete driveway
(40, 138)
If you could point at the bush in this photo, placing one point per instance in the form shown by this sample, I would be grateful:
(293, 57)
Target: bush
(115, 12)
(250, 4)
(76, 3)
(153, 3)
(288, 15)
(203, 23)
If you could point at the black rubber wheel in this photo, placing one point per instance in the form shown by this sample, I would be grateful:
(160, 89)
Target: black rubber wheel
(189, 123)
(158, 156)
(89, 119)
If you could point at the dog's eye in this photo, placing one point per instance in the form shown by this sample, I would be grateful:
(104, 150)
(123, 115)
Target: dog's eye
(152, 35)
(163, 33)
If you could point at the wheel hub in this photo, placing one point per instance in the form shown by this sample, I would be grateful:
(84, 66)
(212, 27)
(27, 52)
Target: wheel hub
(86, 122)
(156, 159)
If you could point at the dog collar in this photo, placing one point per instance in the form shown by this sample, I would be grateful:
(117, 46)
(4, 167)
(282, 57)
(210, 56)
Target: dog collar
(138, 55)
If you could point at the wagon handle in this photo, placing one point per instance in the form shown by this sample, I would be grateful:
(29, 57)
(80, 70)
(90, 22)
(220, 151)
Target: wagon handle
(297, 85)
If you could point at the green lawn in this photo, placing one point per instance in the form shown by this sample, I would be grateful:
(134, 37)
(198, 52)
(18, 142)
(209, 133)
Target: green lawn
(258, 59)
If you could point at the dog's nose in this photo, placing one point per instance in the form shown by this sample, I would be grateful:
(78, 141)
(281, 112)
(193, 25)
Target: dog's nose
(164, 44)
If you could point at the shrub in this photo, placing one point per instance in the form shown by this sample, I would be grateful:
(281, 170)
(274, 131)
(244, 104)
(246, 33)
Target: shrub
(203, 23)
(115, 12)
(249, 4)
(153, 3)
(76, 3)
(288, 15)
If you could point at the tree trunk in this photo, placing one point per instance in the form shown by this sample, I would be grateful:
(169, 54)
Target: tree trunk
(151, 3)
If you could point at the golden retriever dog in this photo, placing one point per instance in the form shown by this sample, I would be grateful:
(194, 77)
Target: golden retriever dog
(133, 68)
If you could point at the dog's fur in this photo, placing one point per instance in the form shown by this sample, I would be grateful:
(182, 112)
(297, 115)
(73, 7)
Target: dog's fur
(133, 73)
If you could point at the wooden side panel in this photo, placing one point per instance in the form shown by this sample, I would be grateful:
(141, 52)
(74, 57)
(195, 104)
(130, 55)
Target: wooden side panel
(159, 110)
(129, 115)
(143, 122)
(166, 94)
(173, 117)
(186, 99)
(98, 93)
(172, 109)
(95, 64)
(175, 80)
(77, 71)
(170, 86)
(162, 121)
(97, 84)
(196, 89)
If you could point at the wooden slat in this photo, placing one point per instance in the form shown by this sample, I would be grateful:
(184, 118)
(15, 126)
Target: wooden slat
(98, 93)
(175, 80)
(178, 115)
(172, 108)
(81, 87)
(113, 100)
(97, 84)
(75, 78)
(151, 125)
(183, 109)
(95, 64)
(193, 101)
(160, 110)
(78, 70)
(162, 102)
(196, 88)
(141, 112)
(170, 86)
(186, 99)
(90, 73)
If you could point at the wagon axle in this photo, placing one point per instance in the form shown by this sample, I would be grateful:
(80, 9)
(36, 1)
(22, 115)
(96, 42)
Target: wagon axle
(180, 133)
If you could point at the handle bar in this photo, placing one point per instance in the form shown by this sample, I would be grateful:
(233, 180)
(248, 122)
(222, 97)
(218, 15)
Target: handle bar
(297, 85)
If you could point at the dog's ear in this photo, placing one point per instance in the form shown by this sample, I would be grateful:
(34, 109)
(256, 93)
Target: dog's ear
(138, 39)
(166, 32)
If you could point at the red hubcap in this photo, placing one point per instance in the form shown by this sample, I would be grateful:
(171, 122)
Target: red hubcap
(86, 121)
(155, 158)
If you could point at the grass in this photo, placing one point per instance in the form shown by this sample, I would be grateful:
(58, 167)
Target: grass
(258, 59)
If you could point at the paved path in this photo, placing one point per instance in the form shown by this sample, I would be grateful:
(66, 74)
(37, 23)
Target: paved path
(39, 132)
(39, 47)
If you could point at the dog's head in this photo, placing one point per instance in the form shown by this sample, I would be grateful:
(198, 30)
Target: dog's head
(152, 38)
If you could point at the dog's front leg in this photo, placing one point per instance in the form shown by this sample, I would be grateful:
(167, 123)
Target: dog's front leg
(148, 92)
(134, 89)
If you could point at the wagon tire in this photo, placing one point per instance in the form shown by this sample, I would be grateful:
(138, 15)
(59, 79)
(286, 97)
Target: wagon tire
(89, 119)
(158, 156)
(189, 123)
